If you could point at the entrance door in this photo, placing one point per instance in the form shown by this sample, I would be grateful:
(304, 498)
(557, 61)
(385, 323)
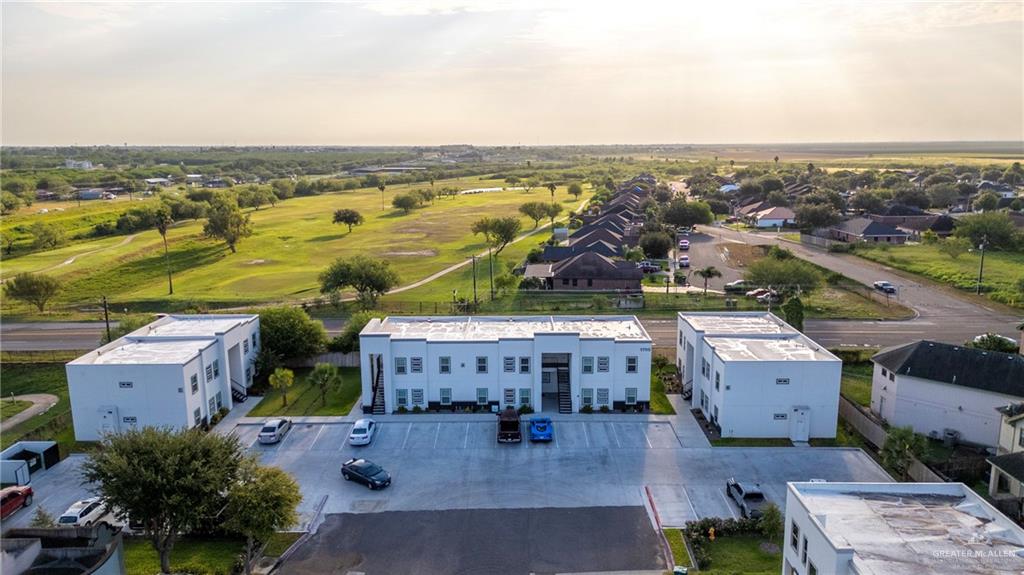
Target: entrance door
(800, 424)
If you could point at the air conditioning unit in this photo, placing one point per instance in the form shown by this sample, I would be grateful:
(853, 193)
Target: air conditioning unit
(950, 437)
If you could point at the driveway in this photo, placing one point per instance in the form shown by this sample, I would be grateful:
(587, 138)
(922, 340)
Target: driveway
(41, 402)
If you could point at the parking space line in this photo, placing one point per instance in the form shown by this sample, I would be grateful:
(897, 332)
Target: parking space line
(643, 430)
(690, 503)
(406, 440)
(437, 432)
(728, 504)
(322, 428)
(615, 434)
(586, 434)
(465, 438)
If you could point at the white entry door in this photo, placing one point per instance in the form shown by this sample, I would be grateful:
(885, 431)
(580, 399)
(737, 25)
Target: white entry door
(800, 424)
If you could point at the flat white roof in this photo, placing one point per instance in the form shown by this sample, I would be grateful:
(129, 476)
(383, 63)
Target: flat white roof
(793, 348)
(914, 528)
(457, 328)
(150, 351)
(194, 325)
(736, 323)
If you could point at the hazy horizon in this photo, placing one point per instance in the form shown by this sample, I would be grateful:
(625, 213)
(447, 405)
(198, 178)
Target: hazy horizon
(405, 73)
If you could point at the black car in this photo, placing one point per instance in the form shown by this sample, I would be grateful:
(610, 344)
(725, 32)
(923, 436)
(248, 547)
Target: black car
(748, 497)
(366, 472)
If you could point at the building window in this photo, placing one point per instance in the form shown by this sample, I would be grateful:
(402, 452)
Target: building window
(212, 405)
(524, 396)
(254, 341)
(781, 416)
(794, 536)
(197, 416)
(481, 364)
(248, 375)
(216, 368)
(631, 364)
(220, 401)
(444, 364)
(510, 395)
(446, 396)
(125, 384)
(602, 363)
(416, 364)
(195, 384)
(565, 281)
(680, 337)
(705, 368)
(130, 419)
(588, 365)
(508, 364)
(481, 396)
(417, 396)
(892, 377)
(588, 397)
(575, 282)
(718, 381)
(812, 570)
(803, 553)
(401, 367)
(245, 345)
(402, 397)
(524, 364)
(782, 381)
(1020, 437)
(590, 283)
(884, 373)
(630, 396)
(209, 373)
(602, 396)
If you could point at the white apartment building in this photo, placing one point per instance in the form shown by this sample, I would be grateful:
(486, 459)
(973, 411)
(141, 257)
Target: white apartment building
(896, 529)
(546, 362)
(754, 375)
(175, 372)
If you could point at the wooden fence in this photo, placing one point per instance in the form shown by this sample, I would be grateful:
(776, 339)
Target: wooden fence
(350, 359)
(875, 433)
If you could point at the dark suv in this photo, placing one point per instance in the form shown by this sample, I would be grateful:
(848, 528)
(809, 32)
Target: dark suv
(748, 497)
(366, 472)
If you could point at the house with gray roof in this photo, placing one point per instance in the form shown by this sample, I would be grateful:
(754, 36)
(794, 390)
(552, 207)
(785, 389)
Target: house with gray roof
(866, 230)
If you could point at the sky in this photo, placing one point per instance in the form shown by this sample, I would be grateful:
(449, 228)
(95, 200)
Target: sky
(527, 72)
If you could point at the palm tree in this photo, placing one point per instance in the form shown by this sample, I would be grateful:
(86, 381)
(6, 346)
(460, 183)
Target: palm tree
(381, 188)
(708, 273)
(163, 222)
(552, 187)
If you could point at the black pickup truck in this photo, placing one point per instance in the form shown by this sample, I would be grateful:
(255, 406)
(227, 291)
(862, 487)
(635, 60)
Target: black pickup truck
(509, 426)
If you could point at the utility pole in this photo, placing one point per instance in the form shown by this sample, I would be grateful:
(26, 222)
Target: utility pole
(474, 283)
(106, 317)
(981, 268)
(490, 270)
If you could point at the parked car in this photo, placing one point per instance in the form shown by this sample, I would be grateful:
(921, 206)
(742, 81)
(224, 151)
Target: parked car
(737, 286)
(366, 472)
(755, 293)
(83, 513)
(509, 426)
(362, 432)
(748, 497)
(684, 244)
(13, 499)
(884, 286)
(274, 430)
(684, 261)
(769, 296)
(649, 267)
(541, 429)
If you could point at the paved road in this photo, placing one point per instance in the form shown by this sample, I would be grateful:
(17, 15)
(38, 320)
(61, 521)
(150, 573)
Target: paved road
(40, 403)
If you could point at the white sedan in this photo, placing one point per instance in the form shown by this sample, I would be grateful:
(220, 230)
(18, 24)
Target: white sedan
(83, 513)
(362, 432)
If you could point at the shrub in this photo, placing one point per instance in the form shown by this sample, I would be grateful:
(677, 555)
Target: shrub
(525, 410)
(604, 409)
(586, 409)
(835, 278)
(417, 409)
(839, 248)
(401, 409)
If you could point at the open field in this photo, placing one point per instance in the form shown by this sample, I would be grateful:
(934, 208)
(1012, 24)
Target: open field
(12, 407)
(1002, 269)
(856, 383)
(203, 556)
(742, 554)
(291, 245)
(55, 423)
(304, 398)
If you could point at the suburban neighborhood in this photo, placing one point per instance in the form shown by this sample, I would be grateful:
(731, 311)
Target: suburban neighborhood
(461, 288)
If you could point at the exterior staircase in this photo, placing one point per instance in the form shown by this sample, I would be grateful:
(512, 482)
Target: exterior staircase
(378, 394)
(564, 392)
(238, 392)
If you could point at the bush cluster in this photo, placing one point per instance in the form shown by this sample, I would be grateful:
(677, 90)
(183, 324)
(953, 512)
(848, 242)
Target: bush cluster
(696, 533)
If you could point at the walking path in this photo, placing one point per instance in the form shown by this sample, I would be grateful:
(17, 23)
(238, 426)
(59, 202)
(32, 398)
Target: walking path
(40, 403)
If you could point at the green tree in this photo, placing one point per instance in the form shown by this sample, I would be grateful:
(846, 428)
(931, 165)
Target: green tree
(170, 481)
(813, 216)
(46, 236)
(986, 202)
(405, 202)
(681, 213)
(794, 312)
(348, 340)
(283, 188)
(529, 184)
(575, 190)
(994, 227)
(42, 519)
(260, 502)
(536, 211)
(901, 446)
(225, 221)
(125, 325)
(552, 187)
(706, 274)
(553, 209)
(348, 217)
(370, 277)
(954, 247)
(35, 289)
(868, 201)
(324, 377)
(289, 333)
(777, 199)
(163, 219)
(253, 196)
(942, 195)
(993, 342)
(498, 232)
(281, 380)
(771, 524)
(785, 276)
(929, 238)
(8, 202)
(655, 244)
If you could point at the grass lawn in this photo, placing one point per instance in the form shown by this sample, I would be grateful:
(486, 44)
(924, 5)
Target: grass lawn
(280, 542)
(846, 436)
(212, 557)
(659, 401)
(751, 442)
(678, 546)
(1002, 269)
(55, 424)
(291, 244)
(304, 398)
(11, 407)
(742, 554)
(856, 383)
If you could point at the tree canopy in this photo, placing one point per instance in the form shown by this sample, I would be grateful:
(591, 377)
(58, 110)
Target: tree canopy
(290, 333)
(262, 501)
(225, 221)
(498, 232)
(370, 277)
(536, 211)
(656, 244)
(348, 217)
(783, 275)
(35, 289)
(679, 212)
(995, 227)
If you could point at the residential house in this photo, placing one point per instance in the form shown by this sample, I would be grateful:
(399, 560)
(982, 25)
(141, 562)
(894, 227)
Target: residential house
(941, 390)
(77, 164)
(549, 363)
(866, 230)
(559, 253)
(158, 182)
(588, 271)
(941, 225)
(777, 217)
(592, 235)
(1006, 473)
